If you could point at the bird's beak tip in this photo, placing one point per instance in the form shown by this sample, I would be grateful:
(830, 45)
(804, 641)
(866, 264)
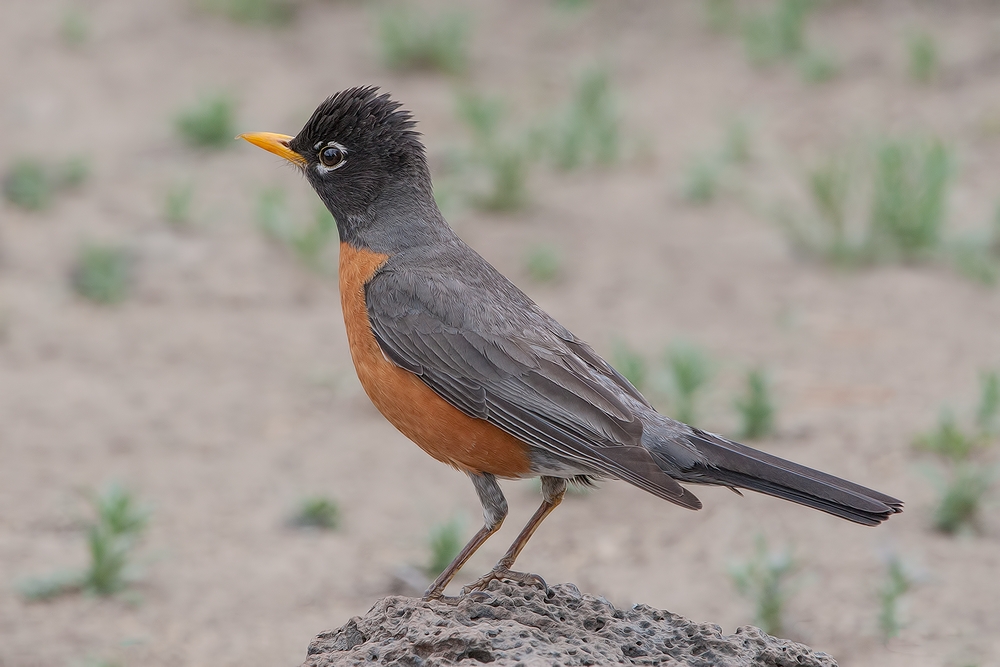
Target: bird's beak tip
(274, 143)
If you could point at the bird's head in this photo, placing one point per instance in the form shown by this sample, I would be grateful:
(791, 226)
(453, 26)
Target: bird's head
(356, 143)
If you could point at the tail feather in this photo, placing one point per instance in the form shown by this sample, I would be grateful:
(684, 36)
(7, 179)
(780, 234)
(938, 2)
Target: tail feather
(732, 464)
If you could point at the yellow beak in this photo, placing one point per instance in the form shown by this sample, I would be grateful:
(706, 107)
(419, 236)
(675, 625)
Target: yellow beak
(275, 143)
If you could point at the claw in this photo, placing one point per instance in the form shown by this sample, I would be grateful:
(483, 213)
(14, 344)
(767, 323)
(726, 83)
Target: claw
(500, 573)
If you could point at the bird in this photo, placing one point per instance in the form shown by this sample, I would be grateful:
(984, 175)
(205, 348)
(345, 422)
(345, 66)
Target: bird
(468, 367)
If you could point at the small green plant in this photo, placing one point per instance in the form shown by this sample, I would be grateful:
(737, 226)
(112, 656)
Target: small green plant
(572, 5)
(975, 261)
(445, 542)
(961, 496)
(720, 15)
(503, 160)
(737, 147)
(910, 190)
(988, 412)
(177, 204)
(766, 580)
(689, 373)
(28, 185)
(74, 29)
(705, 175)
(588, 131)
(778, 34)
(102, 273)
(756, 407)
(829, 185)
(306, 242)
(702, 180)
(542, 264)
(317, 512)
(210, 123)
(32, 184)
(310, 241)
(909, 184)
(412, 40)
(817, 66)
(630, 363)
(948, 440)
(111, 538)
(898, 581)
(72, 173)
(923, 57)
(274, 13)
(825, 231)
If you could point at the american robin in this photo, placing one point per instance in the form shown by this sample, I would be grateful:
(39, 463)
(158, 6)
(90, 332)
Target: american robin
(469, 368)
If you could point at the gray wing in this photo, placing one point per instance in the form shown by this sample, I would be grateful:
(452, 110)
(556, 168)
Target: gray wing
(488, 350)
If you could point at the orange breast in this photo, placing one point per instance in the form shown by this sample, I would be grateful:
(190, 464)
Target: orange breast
(441, 430)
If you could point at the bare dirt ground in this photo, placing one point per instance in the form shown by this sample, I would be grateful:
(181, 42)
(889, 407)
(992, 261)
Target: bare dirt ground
(221, 392)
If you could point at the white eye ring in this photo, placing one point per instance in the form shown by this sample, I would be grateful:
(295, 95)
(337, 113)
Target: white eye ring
(331, 156)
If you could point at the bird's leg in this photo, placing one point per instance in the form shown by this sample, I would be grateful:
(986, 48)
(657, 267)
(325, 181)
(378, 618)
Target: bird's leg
(494, 512)
(553, 490)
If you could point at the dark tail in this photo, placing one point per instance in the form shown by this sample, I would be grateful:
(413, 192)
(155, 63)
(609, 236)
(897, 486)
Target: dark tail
(738, 466)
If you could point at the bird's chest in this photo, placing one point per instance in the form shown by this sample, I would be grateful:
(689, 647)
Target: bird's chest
(440, 429)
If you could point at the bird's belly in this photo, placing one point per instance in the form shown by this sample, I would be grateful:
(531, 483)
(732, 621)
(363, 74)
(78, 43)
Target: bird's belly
(441, 430)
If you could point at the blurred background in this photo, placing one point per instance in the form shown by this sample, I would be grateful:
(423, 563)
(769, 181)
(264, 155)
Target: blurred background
(779, 219)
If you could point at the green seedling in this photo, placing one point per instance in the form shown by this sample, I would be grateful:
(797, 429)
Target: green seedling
(28, 185)
(909, 180)
(898, 581)
(177, 204)
(445, 542)
(74, 29)
(309, 242)
(818, 66)
(766, 581)
(273, 13)
(588, 131)
(704, 175)
(910, 190)
(32, 184)
(629, 363)
(543, 264)
(572, 5)
(737, 147)
(412, 40)
(975, 261)
(948, 440)
(317, 512)
(922, 53)
(273, 218)
(778, 34)
(119, 513)
(702, 180)
(102, 273)
(689, 372)
(994, 242)
(961, 497)
(988, 411)
(72, 173)
(210, 123)
(756, 407)
(111, 538)
(504, 161)
(824, 232)
(720, 15)
(306, 242)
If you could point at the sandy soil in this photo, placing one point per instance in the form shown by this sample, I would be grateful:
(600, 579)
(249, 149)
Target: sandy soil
(222, 391)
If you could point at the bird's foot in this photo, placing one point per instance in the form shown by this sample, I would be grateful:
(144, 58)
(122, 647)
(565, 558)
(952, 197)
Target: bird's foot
(501, 573)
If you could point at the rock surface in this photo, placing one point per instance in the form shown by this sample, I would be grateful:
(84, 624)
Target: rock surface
(521, 625)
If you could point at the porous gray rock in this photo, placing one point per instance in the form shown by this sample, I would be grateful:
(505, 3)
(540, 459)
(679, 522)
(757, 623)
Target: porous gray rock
(522, 625)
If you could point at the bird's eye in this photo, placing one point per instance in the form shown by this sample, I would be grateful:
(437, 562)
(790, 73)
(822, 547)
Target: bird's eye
(332, 156)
